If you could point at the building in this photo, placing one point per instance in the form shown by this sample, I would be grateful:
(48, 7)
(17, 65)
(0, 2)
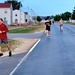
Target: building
(16, 17)
(11, 16)
(27, 17)
(6, 12)
(20, 17)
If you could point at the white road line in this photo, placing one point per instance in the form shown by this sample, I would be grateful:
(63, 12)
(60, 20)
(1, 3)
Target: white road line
(24, 58)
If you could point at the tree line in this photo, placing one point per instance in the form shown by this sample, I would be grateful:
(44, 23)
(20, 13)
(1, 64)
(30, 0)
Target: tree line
(65, 16)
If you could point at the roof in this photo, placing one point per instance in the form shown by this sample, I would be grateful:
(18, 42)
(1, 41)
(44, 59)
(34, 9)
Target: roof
(26, 13)
(5, 5)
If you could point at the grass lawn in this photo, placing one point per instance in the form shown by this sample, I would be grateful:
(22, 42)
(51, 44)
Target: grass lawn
(29, 29)
(13, 44)
(24, 29)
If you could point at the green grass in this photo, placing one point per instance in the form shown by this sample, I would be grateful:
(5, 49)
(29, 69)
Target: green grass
(12, 44)
(10, 41)
(23, 30)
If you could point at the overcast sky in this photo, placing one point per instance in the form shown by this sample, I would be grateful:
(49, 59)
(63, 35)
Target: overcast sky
(47, 7)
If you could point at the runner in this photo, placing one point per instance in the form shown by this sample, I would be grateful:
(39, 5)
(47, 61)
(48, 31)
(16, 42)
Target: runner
(3, 37)
(48, 26)
(53, 22)
(61, 24)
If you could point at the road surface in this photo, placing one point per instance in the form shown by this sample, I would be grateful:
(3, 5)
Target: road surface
(26, 35)
(51, 56)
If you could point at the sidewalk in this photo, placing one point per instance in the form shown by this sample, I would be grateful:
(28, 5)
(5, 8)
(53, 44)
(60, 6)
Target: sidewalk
(25, 45)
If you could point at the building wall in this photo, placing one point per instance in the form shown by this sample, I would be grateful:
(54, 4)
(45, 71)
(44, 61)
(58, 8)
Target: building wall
(16, 16)
(27, 17)
(5, 14)
(11, 16)
(22, 17)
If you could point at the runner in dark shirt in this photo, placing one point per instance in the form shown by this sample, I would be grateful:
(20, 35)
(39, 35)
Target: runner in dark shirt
(48, 27)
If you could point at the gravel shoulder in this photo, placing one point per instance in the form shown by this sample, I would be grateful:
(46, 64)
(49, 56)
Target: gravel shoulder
(24, 46)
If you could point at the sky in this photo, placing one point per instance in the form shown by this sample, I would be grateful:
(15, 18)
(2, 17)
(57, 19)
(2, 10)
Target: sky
(46, 7)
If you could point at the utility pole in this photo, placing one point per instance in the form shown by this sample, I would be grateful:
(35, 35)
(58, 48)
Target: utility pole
(20, 13)
(28, 14)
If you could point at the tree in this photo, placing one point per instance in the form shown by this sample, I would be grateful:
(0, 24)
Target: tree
(15, 4)
(39, 19)
(73, 15)
(48, 17)
(63, 16)
(57, 17)
(68, 15)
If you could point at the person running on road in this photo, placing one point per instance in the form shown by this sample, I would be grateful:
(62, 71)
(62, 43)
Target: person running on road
(48, 26)
(53, 22)
(3, 37)
(61, 24)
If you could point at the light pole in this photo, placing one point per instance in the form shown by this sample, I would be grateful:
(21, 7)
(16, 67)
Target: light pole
(28, 14)
(20, 13)
(20, 10)
(33, 16)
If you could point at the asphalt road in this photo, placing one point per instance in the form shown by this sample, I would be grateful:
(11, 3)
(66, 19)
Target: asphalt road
(7, 64)
(26, 35)
(52, 56)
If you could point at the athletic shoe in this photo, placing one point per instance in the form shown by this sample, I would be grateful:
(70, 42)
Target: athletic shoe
(10, 54)
(1, 54)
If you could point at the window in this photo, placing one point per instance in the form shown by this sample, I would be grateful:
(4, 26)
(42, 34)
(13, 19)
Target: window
(16, 21)
(25, 20)
(4, 18)
(15, 14)
(5, 11)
